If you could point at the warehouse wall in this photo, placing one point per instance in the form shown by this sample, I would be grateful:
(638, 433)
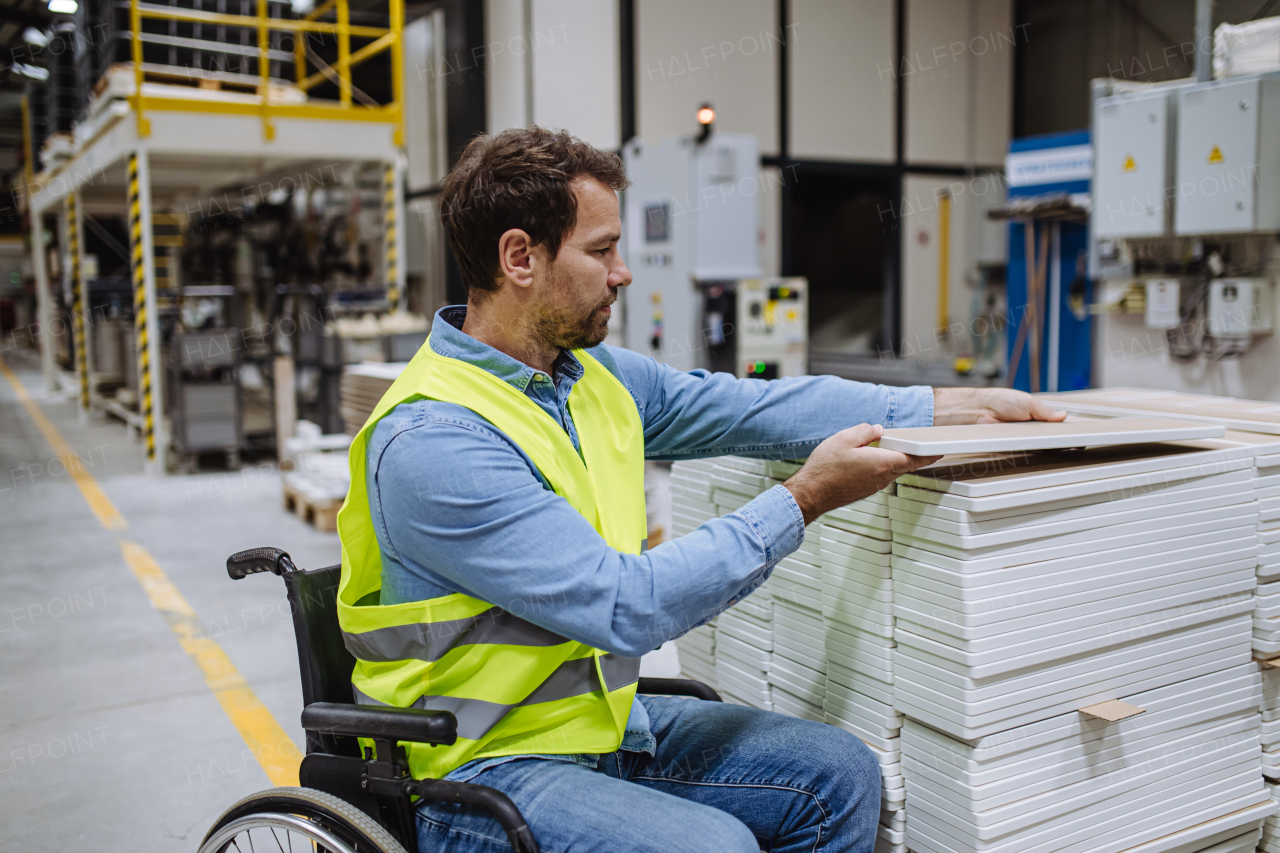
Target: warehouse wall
(693, 51)
(919, 220)
(958, 73)
(506, 96)
(842, 80)
(1127, 353)
(575, 69)
(557, 69)
(974, 240)
(842, 96)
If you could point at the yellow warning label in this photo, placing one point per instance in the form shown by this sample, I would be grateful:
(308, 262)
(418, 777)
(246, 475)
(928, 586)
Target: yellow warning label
(1215, 156)
(1129, 165)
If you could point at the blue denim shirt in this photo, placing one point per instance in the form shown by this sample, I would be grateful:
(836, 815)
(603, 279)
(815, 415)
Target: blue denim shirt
(459, 507)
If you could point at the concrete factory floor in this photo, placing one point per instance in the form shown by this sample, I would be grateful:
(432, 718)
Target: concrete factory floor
(122, 638)
(111, 737)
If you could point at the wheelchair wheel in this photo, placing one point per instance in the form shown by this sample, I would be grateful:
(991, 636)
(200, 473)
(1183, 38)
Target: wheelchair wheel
(298, 819)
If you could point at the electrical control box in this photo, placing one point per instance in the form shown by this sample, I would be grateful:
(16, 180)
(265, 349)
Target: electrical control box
(1228, 174)
(1164, 303)
(691, 216)
(773, 323)
(756, 328)
(1133, 139)
(1239, 307)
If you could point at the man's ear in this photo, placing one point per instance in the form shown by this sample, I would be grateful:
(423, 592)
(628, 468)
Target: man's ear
(515, 257)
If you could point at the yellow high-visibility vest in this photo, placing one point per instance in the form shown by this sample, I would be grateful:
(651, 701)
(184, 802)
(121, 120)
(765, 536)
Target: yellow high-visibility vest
(516, 688)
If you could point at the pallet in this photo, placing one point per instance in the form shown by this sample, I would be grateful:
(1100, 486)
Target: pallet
(322, 514)
(120, 77)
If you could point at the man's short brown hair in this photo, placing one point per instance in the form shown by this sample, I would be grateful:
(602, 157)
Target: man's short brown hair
(519, 178)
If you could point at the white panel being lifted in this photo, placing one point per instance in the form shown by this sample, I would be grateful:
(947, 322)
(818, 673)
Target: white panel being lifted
(1040, 435)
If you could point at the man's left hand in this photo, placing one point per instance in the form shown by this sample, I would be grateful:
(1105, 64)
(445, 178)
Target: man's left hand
(988, 406)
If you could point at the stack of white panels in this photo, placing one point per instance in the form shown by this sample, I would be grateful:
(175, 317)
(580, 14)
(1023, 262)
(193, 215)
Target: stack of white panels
(691, 507)
(858, 621)
(798, 675)
(1266, 630)
(858, 632)
(697, 654)
(1270, 841)
(692, 504)
(1265, 449)
(1181, 775)
(745, 633)
(744, 651)
(1080, 575)
(1028, 587)
(1270, 722)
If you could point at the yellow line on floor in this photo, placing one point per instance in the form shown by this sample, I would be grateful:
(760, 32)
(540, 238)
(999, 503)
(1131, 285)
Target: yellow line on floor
(274, 750)
(101, 505)
(270, 744)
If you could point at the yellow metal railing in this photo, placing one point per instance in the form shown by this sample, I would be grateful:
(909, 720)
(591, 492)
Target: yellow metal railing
(384, 39)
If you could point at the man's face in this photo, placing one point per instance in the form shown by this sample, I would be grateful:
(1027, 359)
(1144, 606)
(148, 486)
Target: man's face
(583, 280)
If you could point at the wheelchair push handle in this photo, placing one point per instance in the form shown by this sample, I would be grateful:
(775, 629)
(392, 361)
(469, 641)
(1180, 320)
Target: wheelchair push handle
(257, 560)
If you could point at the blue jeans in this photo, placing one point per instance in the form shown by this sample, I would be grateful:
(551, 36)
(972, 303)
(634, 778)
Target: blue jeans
(723, 779)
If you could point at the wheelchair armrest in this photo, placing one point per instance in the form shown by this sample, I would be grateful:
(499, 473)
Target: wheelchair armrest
(677, 687)
(493, 801)
(379, 723)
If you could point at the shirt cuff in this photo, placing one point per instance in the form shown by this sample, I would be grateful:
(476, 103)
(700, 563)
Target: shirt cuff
(776, 518)
(910, 407)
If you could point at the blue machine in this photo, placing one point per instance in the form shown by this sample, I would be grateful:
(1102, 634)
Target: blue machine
(1040, 166)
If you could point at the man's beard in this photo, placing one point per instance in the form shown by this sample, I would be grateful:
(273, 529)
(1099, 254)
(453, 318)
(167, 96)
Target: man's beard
(562, 330)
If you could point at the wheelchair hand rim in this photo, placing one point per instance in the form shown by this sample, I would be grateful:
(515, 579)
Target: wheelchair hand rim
(275, 820)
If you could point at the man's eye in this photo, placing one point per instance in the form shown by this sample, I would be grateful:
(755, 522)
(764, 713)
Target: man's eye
(602, 252)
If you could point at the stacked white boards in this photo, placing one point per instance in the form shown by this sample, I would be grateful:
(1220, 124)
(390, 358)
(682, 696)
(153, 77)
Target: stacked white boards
(816, 640)
(784, 616)
(1254, 424)
(1073, 651)
(691, 507)
(1266, 615)
(857, 617)
(1271, 724)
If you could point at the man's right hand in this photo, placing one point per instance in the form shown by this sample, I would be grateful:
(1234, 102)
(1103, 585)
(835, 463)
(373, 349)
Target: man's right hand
(843, 469)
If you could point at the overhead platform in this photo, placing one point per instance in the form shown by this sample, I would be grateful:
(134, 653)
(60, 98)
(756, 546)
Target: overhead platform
(149, 142)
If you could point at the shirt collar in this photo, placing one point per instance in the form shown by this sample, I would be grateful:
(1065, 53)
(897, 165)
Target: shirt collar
(448, 339)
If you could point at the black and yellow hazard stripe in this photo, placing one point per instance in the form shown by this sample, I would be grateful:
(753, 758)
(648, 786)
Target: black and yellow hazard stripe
(390, 251)
(138, 271)
(78, 298)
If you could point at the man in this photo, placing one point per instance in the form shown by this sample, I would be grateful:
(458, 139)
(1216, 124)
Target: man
(494, 562)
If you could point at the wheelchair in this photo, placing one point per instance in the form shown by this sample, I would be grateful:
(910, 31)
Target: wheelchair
(352, 800)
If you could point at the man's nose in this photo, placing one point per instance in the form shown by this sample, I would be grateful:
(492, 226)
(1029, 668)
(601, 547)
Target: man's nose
(621, 276)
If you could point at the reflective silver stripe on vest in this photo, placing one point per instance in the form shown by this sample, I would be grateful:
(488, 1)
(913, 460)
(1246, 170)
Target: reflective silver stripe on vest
(430, 641)
(572, 678)
(619, 672)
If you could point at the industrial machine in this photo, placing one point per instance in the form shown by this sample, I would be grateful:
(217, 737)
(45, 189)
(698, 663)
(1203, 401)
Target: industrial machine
(204, 385)
(756, 328)
(691, 228)
(1187, 208)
